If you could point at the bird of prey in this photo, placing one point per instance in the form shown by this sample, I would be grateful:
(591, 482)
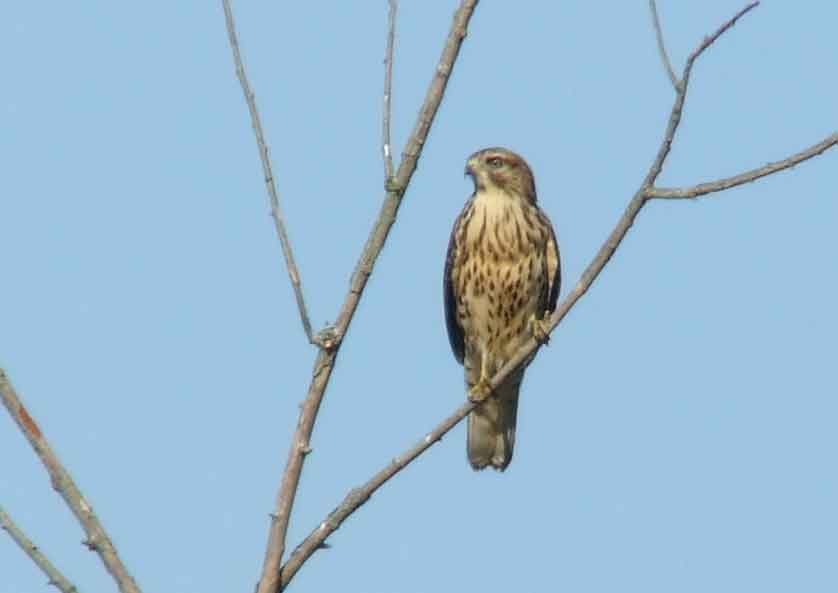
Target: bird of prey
(502, 277)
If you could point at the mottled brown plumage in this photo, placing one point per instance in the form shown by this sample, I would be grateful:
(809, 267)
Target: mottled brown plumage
(502, 277)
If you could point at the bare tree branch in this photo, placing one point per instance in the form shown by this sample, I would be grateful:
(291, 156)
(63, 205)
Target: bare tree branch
(24, 543)
(386, 152)
(97, 538)
(667, 65)
(276, 212)
(680, 193)
(271, 580)
(358, 496)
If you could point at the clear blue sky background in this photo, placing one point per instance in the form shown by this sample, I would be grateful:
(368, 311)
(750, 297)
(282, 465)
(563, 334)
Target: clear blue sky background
(677, 435)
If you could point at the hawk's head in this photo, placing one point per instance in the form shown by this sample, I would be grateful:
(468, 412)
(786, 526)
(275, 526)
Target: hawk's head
(503, 170)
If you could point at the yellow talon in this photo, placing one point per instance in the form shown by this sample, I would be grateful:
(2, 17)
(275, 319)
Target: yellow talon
(480, 391)
(540, 329)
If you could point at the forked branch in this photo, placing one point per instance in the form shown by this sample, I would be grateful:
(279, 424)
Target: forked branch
(358, 496)
(97, 538)
(702, 189)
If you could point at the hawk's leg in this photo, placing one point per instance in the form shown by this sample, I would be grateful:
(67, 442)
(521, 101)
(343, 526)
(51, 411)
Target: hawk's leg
(481, 390)
(540, 329)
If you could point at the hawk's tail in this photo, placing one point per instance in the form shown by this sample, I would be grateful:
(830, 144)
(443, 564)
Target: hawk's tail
(491, 427)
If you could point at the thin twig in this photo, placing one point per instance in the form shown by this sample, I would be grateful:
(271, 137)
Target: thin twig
(271, 579)
(358, 496)
(667, 65)
(97, 538)
(276, 212)
(386, 151)
(681, 193)
(54, 575)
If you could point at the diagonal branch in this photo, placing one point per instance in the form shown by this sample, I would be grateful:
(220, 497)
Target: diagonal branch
(54, 575)
(271, 580)
(681, 193)
(97, 538)
(276, 212)
(386, 151)
(358, 496)
(667, 65)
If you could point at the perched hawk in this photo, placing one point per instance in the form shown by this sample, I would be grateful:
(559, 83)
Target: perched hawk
(501, 280)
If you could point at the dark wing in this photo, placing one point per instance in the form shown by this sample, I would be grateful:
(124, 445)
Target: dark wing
(455, 332)
(554, 266)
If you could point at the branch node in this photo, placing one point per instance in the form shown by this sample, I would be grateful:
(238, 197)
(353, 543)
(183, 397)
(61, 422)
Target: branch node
(394, 187)
(327, 338)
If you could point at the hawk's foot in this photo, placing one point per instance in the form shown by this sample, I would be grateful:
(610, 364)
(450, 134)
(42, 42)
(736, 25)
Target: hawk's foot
(480, 391)
(540, 329)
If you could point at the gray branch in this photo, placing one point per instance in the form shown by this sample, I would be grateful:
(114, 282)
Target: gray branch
(682, 193)
(97, 538)
(56, 578)
(276, 212)
(386, 150)
(667, 64)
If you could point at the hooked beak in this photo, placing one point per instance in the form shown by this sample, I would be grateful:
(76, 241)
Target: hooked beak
(469, 171)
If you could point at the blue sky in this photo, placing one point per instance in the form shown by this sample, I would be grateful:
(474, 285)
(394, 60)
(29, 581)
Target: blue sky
(677, 435)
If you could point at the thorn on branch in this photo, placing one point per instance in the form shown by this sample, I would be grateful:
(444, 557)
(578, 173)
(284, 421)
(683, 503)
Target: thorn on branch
(90, 544)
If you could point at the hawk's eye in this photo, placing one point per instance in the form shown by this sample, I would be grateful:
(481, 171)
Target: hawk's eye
(494, 162)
